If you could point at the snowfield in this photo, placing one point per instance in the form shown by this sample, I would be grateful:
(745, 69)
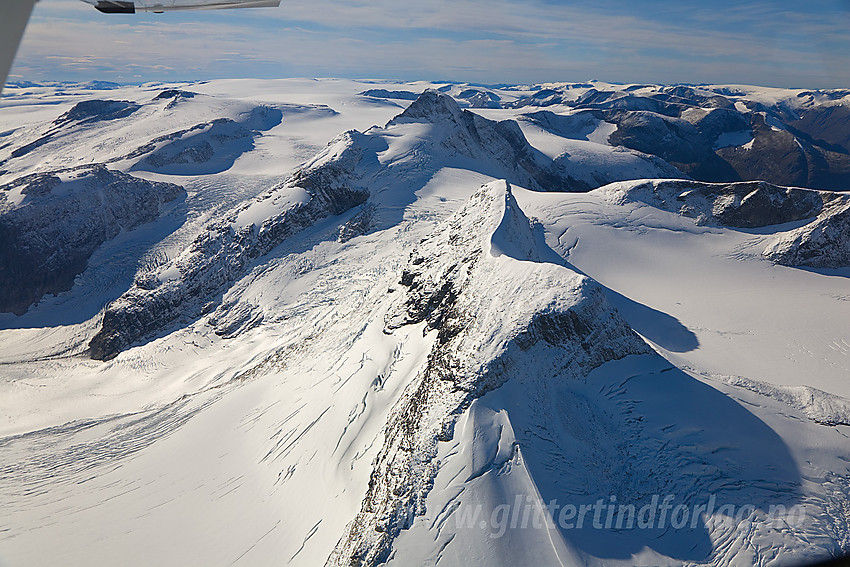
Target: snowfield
(337, 322)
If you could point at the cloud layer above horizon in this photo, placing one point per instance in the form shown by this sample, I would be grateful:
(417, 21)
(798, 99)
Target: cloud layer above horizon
(768, 43)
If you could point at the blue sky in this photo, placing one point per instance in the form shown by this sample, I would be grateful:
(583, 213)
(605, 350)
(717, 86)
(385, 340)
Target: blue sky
(778, 43)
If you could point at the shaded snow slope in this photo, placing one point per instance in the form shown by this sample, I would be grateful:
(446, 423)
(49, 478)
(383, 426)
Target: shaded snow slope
(630, 431)
(703, 294)
(823, 243)
(463, 282)
(404, 346)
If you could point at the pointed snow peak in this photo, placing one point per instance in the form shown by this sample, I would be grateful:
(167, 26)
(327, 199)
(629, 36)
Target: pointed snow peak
(500, 148)
(495, 320)
(514, 236)
(493, 212)
(431, 106)
(493, 221)
(487, 230)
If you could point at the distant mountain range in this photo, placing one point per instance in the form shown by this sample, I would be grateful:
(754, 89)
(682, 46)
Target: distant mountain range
(336, 322)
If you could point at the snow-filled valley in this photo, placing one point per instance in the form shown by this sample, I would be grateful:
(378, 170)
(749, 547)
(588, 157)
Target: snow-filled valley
(337, 322)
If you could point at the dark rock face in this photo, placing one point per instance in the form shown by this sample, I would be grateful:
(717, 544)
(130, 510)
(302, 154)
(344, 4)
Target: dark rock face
(174, 93)
(384, 93)
(720, 121)
(84, 112)
(677, 141)
(359, 224)
(805, 144)
(774, 155)
(174, 97)
(738, 205)
(757, 204)
(47, 240)
(823, 243)
(826, 125)
(685, 145)
(221, 253)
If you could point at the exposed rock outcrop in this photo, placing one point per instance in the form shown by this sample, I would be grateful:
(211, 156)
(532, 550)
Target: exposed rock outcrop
(48, 236)
(326, 186)
(501, 146)
(737, 205)
(824, 242)
(463, 282)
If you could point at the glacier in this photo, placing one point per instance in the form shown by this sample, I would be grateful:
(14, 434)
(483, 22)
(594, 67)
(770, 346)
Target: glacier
(338, 322)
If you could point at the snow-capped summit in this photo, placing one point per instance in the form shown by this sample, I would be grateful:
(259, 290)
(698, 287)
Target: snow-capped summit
(308, 322)
(342, 176)
(499, 146)
(464, 281)
(51, 224)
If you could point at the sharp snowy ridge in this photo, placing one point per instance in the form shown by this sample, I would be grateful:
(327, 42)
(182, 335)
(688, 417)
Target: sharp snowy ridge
(462, 282)
(339, 322)
(325, 186)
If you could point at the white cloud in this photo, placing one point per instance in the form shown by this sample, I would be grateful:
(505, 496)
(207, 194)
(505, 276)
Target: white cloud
(476, 40)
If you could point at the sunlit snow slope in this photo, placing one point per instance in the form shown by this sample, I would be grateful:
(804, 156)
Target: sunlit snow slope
(332, 322)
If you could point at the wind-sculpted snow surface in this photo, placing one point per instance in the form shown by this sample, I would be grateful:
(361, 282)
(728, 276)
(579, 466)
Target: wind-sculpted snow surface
(484, 283)
(418, 344)
(51, 224)
(823, 242)
(326, 186)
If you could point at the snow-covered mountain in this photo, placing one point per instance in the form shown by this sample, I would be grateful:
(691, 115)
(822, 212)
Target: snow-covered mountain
(715, 133)
(51, 224)
(336, 322)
